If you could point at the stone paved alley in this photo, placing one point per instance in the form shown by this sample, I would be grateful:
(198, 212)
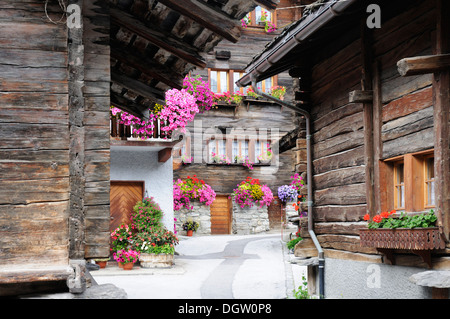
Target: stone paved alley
(215, 267)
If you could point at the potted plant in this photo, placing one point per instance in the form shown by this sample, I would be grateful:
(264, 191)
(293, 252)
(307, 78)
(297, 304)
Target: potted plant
(413, 232)
(251, 192)
(121, 238)
(278, 92)
(126, 258)
(266, 157)
(191, 188)
(238, 159)
(190, 227)
(157, 248)
(102, 262)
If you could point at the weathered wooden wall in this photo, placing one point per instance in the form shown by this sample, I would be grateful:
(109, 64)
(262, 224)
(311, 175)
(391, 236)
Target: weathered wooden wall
(97, 103)
(405, 123)
(34, 135)
(54, 134)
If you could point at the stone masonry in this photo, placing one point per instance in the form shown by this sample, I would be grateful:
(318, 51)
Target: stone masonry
(250, 220)
(200, 214)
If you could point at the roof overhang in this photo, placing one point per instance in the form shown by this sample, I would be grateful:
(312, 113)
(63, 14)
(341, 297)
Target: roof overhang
(272, 60)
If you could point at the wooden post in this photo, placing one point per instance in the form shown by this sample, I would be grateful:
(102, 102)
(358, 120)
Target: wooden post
(77, 224)
(441, 97)
(366, 85)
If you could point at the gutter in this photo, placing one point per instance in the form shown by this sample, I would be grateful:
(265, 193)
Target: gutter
(298, 35)
(309, 180)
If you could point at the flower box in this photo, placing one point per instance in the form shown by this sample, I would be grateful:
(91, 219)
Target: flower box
(403, 238)
(156, 260)
(419, 240)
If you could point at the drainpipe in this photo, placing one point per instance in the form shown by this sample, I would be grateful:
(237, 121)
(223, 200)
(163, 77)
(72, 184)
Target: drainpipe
(309, 179)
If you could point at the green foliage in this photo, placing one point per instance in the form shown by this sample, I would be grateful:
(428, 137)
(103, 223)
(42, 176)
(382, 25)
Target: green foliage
(302, 291)
(161, 241)
(424, 220)
(191, 225)
(291, 244)
(146, 215)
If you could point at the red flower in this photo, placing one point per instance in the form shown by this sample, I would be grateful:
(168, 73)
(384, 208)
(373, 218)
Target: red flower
(392, 212)
(366, 217)
(377, 219)
(384, 214)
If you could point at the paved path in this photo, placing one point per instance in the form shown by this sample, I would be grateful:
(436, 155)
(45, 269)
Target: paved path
(213, 267)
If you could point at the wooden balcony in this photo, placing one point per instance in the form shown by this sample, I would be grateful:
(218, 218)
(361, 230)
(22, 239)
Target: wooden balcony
(124, 132)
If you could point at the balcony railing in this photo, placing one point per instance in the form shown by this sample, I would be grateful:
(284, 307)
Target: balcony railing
(124, 132)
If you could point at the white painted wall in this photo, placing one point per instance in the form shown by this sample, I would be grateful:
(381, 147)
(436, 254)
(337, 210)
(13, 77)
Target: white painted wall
(141, 164)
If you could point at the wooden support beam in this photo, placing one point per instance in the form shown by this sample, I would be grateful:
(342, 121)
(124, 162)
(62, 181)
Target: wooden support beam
(164, 154)
(359, 96)
(441, 99)
(147, 66)
(211, 18)
(167, 42)
(124, 104)
(423, 64)
(268, 4)
(138, 87)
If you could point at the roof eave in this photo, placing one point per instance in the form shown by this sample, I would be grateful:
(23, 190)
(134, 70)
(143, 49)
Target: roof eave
(272, 55)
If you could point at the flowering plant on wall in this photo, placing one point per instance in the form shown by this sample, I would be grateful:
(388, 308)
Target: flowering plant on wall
(297, 181)
(180, 108)
(189, 189)
(251, 192)
(287, 193)
(220, 159)
(229, 98)
(278, 92)
(201, 92)
(266, 156)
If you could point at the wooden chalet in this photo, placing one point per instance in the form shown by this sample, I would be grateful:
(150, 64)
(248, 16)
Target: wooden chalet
(374, 83)
(62, 65)
(244, 128)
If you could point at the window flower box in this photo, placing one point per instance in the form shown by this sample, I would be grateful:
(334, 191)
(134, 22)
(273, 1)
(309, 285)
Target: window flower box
(418, 234)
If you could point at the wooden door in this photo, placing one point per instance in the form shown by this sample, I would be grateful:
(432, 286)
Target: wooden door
(276, 214)
(123, 197)
(221, 215)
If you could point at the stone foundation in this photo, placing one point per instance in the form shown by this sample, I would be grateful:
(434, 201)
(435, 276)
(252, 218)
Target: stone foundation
(252, 220)
(200, 214)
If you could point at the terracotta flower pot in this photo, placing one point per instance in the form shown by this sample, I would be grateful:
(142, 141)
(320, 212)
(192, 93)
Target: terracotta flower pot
(190, 232)
(128, 266)
(102, 264)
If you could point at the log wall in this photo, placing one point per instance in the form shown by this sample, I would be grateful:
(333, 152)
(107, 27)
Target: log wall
(54, 135)
(404, 123)
(34, 135)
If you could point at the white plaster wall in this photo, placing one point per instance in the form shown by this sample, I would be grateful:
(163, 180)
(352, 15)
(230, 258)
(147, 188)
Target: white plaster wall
(141, 164)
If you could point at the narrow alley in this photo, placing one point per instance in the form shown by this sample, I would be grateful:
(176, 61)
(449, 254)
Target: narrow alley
(215, 267)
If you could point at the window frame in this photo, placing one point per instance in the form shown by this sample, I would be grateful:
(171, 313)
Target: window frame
(414, 174)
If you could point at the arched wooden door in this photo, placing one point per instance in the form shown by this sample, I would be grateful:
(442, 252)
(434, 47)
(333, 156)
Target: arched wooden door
(123, 196)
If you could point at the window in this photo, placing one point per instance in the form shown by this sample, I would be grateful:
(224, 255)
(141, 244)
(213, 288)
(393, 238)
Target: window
(240, 149)
(429, 181)
(258, 17)
(217, 150)
(261, 148)
(266, 85)
(221, 81)
(407, 182)
(399, 185)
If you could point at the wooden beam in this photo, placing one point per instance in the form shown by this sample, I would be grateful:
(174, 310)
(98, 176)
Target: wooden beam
(359, 96)
(147, 66)
(163, 40)
(211, 18)
(164, 154)
(268, 4)
(124, 104)
(441, 99)
(423, 64)
(138, 87)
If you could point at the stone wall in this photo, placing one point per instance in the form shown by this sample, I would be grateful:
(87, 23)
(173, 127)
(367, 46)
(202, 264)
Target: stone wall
(250, 220)
(200, 214)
